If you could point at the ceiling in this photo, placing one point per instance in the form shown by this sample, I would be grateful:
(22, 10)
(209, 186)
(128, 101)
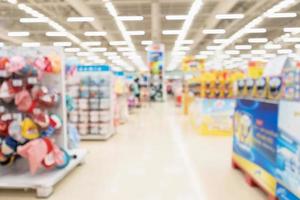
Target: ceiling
(154, 22)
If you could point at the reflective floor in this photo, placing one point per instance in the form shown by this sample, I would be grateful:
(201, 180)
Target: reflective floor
(155, 156)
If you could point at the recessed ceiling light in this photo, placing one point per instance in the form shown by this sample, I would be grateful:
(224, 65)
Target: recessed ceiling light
(95, 33)
(243, 47)
(171, 32)
(80, 19)
(118, 43)
(293, 30)
(62, 44)
(214, 31)
(56, 34)
(257, 52)
(99, 49)
(124, 49)
(284, 51)
(18, 34)
(31, 44)
(72, 50)
(230, 16)
(34, 20)
(83, 53)
(147, 42)
(256, 30)
(282, 15)
(131, 18)
(258, 40)
(272, 46)
(291, 39)
(214, 48)
(219, 41)
(110, 53)
(183, 48)
(207, 52)
(176, 17)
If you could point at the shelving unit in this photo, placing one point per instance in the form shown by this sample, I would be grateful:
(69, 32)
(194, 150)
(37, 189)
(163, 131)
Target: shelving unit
(17, 175)
(94, 96)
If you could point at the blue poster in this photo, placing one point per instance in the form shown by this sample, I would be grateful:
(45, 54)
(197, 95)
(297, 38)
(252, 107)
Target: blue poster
(255, 132)
(288, 147)
(283, 193)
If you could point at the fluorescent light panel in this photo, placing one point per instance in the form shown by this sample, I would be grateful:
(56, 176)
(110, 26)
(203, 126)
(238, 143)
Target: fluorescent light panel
(272, 46)
(291, 39)
(72, 50)
(207, 52)
(176, 17)
(95, 33)
(219, 41)
(258, 40)
(80, 19)
(282, 15)
(56, 34)
(34, 20)
(62, 44)
(257, 52)
(232, 52)
(147, 42)
(284, 51)
(214, 31)
(256, 30)
(243, 47)
(131, 18)
(31, 44)
(230, 16)
(213, 48)
(99, 49)
(18, 34)
(91, 43)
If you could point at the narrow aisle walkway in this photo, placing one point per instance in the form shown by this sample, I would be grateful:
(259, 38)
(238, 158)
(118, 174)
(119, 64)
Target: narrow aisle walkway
(156, 156)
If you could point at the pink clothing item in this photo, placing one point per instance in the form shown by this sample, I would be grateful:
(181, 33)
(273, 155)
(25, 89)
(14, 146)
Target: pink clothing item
(16, 63)
(23, 101)
(37, 150)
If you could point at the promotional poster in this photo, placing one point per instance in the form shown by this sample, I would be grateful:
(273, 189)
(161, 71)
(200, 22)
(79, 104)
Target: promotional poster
(156, 67)
(254, 141)
(288, 149)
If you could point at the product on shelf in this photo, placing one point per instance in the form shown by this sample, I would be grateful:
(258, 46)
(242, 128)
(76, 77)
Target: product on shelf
(93, 96)
(31, 116)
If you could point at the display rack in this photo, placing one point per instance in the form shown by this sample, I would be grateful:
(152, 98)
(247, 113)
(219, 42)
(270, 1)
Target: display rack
(17, 176)
(94, 98)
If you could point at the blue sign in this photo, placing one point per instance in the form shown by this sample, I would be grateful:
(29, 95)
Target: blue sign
(255, 128)
(93, 68)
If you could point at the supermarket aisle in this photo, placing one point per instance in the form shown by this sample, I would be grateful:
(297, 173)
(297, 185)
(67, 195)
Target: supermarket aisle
(156, 156)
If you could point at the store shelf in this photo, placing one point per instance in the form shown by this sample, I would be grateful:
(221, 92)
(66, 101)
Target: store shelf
(260, 100)
(19, 177)
(96, 137)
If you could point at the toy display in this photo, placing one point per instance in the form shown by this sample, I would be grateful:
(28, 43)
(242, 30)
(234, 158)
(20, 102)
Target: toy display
(92, 94)
(28, 119)
(156, 65)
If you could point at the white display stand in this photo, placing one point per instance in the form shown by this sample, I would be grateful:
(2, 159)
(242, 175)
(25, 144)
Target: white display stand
(17, 175)
(95, 72)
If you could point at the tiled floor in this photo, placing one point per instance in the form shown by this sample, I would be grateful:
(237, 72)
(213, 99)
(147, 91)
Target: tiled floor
(155, 156)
